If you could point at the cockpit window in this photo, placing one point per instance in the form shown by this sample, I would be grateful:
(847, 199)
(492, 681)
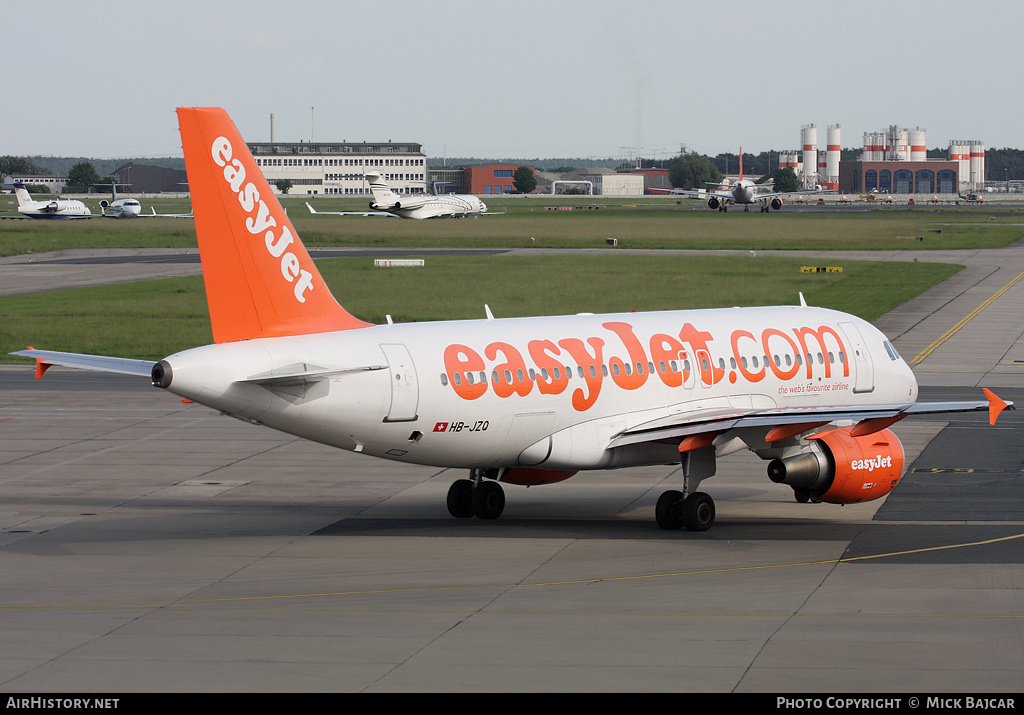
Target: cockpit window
(893, 355)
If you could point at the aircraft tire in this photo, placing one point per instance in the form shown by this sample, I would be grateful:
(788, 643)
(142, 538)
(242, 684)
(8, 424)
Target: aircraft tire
(460, 499)
(669, 512)
(698, 512)
(488, 500)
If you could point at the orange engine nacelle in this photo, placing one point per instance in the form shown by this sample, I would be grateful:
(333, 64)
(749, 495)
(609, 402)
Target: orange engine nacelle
(842, 469)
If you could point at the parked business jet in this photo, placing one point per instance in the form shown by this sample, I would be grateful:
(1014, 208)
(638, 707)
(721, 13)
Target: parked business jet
(130, 208)
(389, 204)
(120, 208)
(444, 206)
(50, 208)
(525, 401)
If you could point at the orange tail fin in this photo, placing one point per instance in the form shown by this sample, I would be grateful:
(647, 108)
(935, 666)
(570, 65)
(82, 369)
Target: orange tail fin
(260, 281)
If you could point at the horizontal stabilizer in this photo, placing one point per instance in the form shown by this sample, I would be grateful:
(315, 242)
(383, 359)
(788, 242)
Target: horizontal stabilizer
(99, 363)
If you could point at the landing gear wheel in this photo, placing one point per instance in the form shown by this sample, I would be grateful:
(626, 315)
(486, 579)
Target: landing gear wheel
(488, 500)
(460, 499)
(669, 510)
(801, 496)
(698, 512)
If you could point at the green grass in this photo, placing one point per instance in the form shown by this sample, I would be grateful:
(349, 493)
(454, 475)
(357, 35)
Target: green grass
(650, 223)
(156, 318)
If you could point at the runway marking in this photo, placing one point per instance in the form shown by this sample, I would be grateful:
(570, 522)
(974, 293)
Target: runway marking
(949, 333)
(208, 602)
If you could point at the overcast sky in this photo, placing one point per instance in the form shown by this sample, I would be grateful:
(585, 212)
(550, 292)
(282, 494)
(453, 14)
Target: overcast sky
(517, 79)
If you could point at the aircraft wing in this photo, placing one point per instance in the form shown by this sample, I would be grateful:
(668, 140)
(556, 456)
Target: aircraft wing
(790, 194)
(868, 418)
(99, 363)
(154, 214)
(698, 194)
(384, 214)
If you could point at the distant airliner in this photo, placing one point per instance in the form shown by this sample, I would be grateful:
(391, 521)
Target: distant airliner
(743, 192)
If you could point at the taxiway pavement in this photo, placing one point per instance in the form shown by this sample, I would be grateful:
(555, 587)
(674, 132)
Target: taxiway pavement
(149, 545)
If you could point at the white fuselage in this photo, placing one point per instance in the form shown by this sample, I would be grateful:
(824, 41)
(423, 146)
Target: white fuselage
(63, 208)
(124, 208)
(447, 206)
(743, 192)
(546, 392)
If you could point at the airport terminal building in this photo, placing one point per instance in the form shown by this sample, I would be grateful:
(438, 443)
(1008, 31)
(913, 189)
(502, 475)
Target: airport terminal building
(337, 169)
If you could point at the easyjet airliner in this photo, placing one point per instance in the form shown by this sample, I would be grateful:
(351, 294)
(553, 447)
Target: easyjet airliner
(524, 401)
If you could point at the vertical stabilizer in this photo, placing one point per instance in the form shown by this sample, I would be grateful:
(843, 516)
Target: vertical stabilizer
(260, 281)
(383, 196)
(24, 198)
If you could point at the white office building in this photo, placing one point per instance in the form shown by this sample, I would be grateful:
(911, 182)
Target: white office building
(337, 169)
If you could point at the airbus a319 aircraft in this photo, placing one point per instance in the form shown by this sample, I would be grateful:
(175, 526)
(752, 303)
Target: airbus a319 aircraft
(524, 401)
(742, 192)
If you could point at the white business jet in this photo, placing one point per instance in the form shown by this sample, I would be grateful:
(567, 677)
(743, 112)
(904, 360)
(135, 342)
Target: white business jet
(49, 208)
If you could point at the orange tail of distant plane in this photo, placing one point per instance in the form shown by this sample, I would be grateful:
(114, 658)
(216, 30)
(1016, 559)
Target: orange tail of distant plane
(260, 281)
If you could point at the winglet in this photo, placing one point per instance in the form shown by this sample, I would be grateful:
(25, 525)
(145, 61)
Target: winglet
(41, 365)
(311, 209)
(995, 405)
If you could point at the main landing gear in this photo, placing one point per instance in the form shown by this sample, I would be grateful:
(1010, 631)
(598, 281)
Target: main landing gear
(689, 509)
(476, 496)
(696, 512)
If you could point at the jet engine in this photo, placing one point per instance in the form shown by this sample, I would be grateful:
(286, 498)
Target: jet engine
(840, 468)
(776, 203)
(714, 203)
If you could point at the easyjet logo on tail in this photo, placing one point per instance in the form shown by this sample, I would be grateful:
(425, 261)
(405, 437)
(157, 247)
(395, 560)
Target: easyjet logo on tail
(260, 220)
